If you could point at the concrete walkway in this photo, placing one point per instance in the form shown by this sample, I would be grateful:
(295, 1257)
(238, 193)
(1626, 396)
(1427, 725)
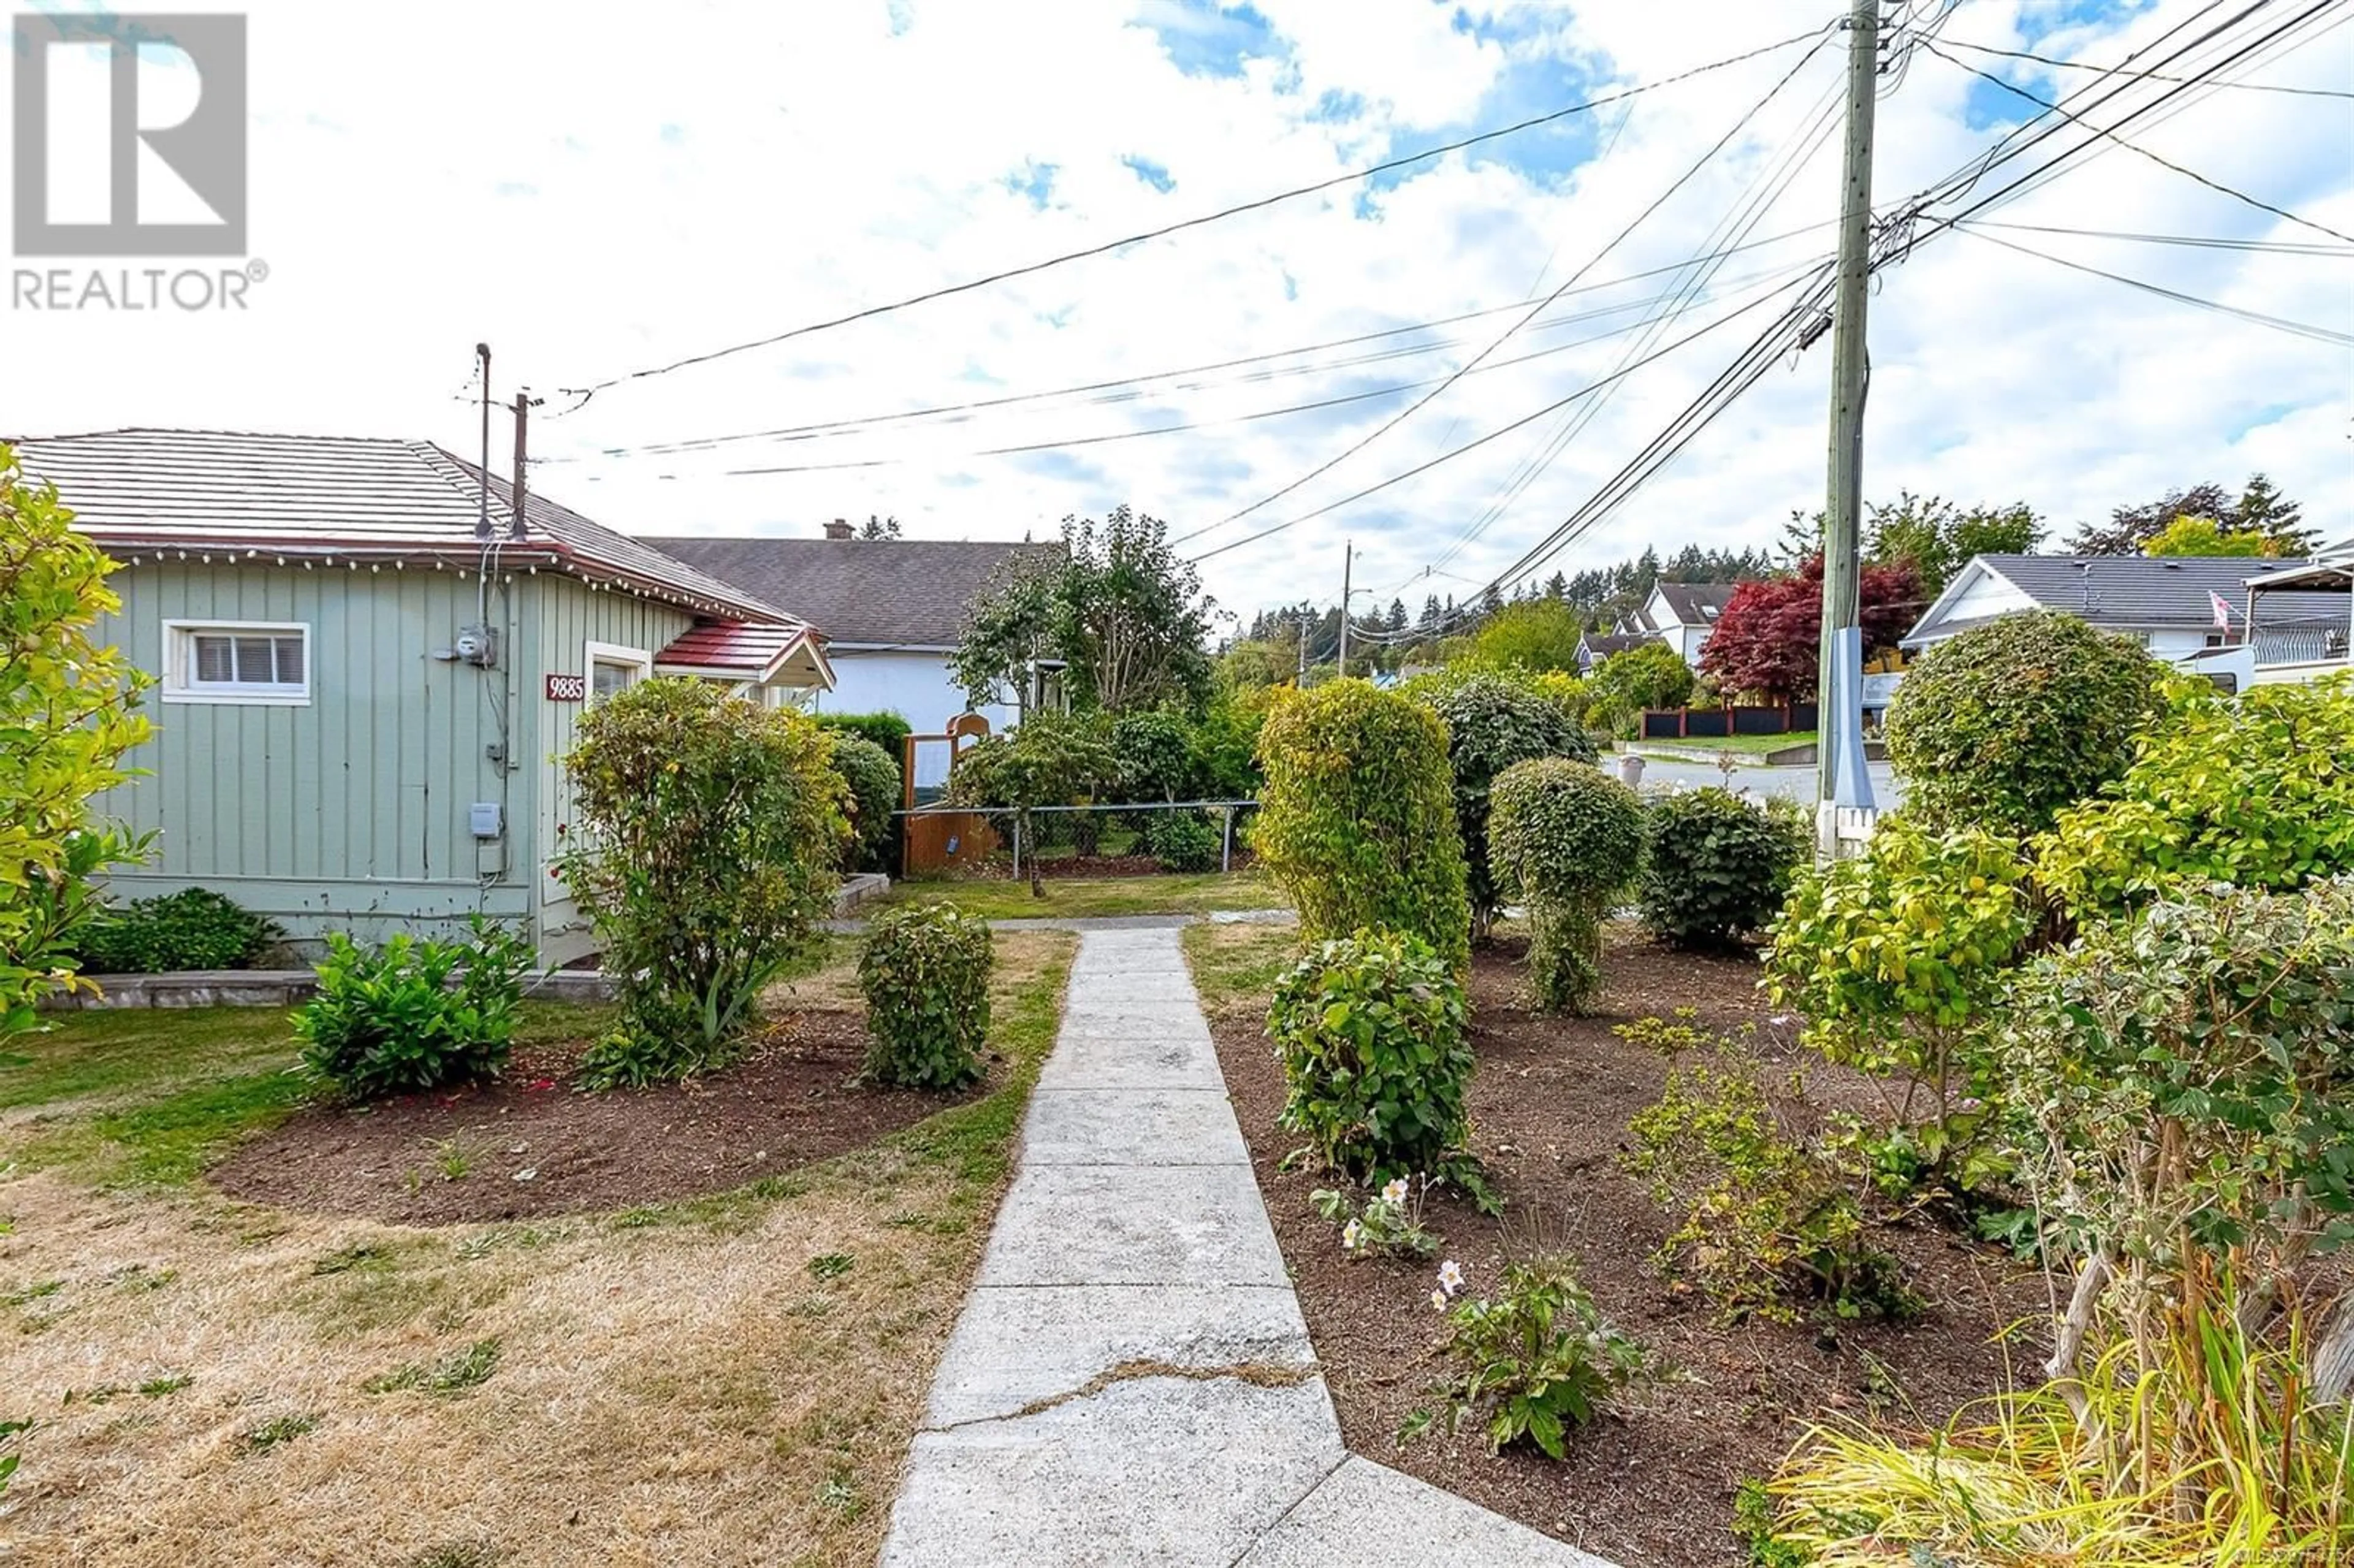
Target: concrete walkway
(1130, 1384)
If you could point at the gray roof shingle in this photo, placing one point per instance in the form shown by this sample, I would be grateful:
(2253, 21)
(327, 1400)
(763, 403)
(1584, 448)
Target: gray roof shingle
(886, 593)
(2141, 591)
(309, 495)
(1697, 604)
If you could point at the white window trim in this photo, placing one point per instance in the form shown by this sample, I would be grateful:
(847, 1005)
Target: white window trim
(179, 648)
(595, 653)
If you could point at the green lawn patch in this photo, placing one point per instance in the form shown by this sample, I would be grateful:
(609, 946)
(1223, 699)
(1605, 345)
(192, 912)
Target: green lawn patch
(1709, 746)
(1097, 898)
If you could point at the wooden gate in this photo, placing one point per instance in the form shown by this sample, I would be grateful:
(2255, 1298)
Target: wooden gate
(936, 840)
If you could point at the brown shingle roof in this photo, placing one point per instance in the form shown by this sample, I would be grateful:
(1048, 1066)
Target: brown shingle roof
(339, 494)
(885, 593)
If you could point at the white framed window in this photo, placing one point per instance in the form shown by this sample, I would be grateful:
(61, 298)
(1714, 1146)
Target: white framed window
(253, 662)
(613, 669)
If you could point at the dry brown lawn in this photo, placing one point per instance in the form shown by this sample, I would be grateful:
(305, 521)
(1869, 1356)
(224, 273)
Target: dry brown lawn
(728, 1380)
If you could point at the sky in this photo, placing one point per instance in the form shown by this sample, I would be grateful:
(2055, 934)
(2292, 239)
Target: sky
(598, 190)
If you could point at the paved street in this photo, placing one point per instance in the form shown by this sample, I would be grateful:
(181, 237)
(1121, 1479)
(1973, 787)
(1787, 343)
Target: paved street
(1789, 783)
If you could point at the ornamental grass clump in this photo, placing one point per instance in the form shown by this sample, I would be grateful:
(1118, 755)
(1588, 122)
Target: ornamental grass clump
(709, 830)
(1357, 819)
(1572, 840)
(926, 976)
(1370, 1033)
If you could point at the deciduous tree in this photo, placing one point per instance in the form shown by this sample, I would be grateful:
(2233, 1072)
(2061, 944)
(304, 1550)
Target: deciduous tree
(1768, 641)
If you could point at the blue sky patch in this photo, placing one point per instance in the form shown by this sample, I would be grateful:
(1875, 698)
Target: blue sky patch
(1155, 174)
(1034, 180)
(1202, 37)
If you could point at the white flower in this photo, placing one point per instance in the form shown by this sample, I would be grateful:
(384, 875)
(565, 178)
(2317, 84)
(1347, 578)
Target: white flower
(1450, 1277)
(1439, 1301)
(1395, 1192)
(1351, 1234)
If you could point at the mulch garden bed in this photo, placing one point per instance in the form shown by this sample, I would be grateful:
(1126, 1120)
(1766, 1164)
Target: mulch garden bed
(532, 1145)
(1653, 1481)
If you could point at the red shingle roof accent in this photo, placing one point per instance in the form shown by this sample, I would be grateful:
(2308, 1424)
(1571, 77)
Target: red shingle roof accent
(731, 647)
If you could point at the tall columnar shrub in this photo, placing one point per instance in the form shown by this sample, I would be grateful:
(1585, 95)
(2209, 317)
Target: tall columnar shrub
(69, 719)
(1492, 723)
(414, 1014)
(2254, 790)
(873, 782)
(887, 730)
(1369, 1030)
(708, 831)
(926, 975)
(1716, 866)
(1572, 840)
(2003, 725)
(1358, 817)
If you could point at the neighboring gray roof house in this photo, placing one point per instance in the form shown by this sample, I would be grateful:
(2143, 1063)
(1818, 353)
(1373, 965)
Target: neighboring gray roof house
(1680, 604)
(911, 595)
(1597, 646)
(2167, 602)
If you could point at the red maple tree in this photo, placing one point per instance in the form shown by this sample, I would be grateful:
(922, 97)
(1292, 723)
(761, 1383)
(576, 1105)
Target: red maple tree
(1768, 638)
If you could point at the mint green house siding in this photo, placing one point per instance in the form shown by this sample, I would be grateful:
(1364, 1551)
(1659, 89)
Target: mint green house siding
(348, 810)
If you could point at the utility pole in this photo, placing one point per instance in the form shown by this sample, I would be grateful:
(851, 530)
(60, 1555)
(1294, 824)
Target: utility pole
(1841, 779)
(1348, 557)
(1301, 683)
(517, 489)
(482, 522)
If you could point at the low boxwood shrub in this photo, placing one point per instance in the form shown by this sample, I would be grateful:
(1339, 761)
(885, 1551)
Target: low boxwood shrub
(1572, 840)
(1715, 866)
(2002, 726)
(1357, 821)
(875, 794)
(926, 975)
(195, 928)
(1369, 1030)
(1493, 722)
(413, 1013)
(1183, 841)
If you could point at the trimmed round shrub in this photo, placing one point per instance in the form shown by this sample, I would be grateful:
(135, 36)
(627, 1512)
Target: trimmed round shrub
(1715, 867)
(195, 928)
(1369, 1030)
(873, 781)
(2002, 726)
(1492, 723)
(887, 730)
(1357, 821)
(1183, 841)
(926, 975)
(1572, 840)
(1154, 757)
(414, 1014)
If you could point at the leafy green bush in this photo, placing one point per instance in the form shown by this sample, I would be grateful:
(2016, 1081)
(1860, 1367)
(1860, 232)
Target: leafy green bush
(1358, 817)
(390, 1021)
(1048, 759)
(2002, 726)
(1184, 841)
(2253, 791)
(1492, 723)
(1539, 1357)
(1370, 1033)
(887, 730)
(1617, 690)
(1900, 961)
(1715, 866)
(926, 975)
(1769, 1215)
(1154, 757)
(195, 928)
(708, 833)
(1572, 840)
(1222, 748)
(875, 793)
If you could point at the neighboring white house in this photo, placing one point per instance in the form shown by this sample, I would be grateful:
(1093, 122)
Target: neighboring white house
(2301, 621)
(892, 612)
(2191, 611)
(1595, 646)
(1680, 615)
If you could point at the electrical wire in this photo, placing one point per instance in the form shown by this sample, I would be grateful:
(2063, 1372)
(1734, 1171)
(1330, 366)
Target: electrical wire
(2148, 76)
(1420, 403)
(2281, 324)
(589, 389)
(2201, 241)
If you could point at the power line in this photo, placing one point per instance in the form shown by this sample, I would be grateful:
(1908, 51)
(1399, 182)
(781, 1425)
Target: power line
(2135, 147)
(1423, 401)
(2201, 241)
(2146, 76)
(2298, 329)
(592, 388)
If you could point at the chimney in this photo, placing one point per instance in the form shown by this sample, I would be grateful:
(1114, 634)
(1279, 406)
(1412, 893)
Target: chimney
(838, 529)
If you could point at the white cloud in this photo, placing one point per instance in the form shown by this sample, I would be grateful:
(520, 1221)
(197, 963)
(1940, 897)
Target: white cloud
(596, 188)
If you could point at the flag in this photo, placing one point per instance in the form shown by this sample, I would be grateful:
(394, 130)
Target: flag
(2223, 609)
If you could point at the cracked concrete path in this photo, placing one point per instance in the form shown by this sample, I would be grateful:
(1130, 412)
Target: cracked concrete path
(1130, 1384)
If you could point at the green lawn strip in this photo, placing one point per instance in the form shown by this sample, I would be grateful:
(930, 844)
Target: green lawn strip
(1237, 965)
(1096, 898)
(1709, 746)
